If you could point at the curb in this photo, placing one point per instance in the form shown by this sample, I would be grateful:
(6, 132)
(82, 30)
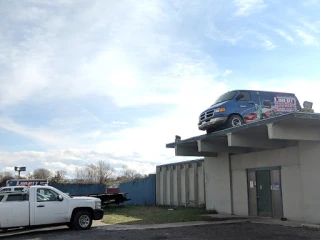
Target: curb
(307, 225)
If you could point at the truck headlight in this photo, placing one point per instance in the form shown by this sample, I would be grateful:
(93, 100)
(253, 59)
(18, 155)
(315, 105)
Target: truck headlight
(98, 205)
(220, 109)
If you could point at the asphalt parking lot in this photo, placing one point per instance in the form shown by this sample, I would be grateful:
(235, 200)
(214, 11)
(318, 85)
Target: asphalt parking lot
(244, 230)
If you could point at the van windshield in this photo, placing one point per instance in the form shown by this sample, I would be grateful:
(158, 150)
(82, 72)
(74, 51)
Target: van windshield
(225, 97)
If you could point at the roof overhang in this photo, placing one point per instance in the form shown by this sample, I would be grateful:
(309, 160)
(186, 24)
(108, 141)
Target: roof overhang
(272, 133)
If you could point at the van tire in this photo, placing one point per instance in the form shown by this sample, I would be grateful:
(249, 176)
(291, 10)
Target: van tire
(235, 121)
(210, 130)
(82, 220)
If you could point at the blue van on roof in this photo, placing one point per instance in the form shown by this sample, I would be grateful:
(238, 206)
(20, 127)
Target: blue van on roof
(239, 107)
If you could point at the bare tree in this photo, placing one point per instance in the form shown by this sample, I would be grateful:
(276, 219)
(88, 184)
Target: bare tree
(4, 177)
(30, 175)
(92, 173)
(104, 171)
(59, 176)
(42, 173)
(128, 174)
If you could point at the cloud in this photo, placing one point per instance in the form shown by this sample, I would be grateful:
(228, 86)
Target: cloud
(314, 27)
(151, 65)
(310, 2)
(226, 73)
(307, 38)
(285, 35)
(268, 45)
(248, 7)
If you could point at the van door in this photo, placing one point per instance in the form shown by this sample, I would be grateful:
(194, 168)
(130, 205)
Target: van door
(48, 209)
(245, 106)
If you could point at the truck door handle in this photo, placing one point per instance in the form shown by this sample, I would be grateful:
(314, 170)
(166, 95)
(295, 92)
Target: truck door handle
(40, 206)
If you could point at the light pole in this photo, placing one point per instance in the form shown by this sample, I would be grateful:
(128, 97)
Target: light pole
(19, 169)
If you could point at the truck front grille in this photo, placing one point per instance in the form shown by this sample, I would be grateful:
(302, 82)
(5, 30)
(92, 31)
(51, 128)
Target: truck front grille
(206, 115)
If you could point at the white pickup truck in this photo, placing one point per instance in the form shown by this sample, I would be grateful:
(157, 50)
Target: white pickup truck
(45, 205)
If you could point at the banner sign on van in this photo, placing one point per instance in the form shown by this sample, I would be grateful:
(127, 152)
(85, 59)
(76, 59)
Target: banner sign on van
(285, 104)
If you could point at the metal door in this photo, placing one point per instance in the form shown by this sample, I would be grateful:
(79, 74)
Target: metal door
(264, 193)
(277, 210)
(252, 192)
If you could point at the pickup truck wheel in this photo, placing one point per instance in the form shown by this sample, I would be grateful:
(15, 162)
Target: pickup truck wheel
(70, 225)
(82, 220)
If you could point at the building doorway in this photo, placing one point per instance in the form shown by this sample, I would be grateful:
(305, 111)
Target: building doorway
(264, 192)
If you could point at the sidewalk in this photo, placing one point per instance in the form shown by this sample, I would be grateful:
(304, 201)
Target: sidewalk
(216, 219)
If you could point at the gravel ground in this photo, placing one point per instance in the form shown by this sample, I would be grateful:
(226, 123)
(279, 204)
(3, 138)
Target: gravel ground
(236, 231)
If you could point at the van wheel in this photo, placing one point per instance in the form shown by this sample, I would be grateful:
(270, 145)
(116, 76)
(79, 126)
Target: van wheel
(82, 220)
(235, 121)
(210, 130)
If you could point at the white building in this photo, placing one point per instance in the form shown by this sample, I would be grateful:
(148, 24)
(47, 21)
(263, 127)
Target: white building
(266, 168)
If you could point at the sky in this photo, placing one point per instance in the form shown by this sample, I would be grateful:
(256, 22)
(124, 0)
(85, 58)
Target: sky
(83, 81)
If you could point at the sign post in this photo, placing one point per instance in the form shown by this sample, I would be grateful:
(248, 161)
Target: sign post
(19, 169)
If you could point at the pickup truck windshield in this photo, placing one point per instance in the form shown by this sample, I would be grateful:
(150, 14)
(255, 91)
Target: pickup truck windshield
(225, 97)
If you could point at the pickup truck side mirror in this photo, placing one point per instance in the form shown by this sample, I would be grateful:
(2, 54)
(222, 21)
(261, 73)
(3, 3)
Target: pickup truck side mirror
(60, 198)
(239, 96)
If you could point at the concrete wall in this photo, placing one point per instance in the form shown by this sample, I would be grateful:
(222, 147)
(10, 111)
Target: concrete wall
(201, 186)
(310, 166)
(299, 180)
(181, 184)
(218, 189)
(289, 161)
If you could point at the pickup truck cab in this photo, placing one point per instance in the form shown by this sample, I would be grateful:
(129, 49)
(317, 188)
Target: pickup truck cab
(45, 205)
(12, 196)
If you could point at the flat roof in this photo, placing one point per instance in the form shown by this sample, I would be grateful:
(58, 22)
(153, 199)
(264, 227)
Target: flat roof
(182, 162)
(300, 116)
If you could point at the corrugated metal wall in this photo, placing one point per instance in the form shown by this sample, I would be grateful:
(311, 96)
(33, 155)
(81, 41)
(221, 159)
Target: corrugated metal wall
(181, 184)
(141, 191)
(80, 189)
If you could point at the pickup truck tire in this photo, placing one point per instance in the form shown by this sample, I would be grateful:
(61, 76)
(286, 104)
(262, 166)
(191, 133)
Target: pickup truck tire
(70, 225)
(82, 220)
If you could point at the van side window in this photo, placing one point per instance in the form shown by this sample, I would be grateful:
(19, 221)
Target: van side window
(246, 96)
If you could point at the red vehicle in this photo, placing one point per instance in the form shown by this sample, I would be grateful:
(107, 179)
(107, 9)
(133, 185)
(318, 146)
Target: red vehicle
(250, 117)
